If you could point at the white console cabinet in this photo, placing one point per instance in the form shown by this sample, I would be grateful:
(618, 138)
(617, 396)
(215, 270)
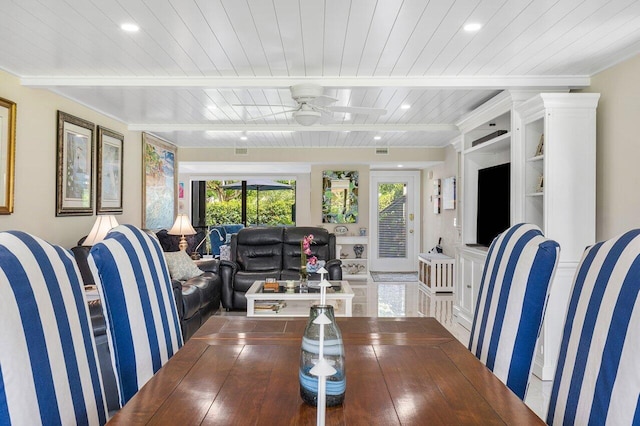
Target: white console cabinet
(552, 186)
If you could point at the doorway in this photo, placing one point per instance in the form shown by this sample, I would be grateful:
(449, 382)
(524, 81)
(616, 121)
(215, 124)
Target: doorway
(395, 220)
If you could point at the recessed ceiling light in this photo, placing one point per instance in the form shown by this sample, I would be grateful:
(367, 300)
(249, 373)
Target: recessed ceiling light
(400, 165)
(405, 106)
(377, 138)
(472, 26)
(130, 28)
(243, 138)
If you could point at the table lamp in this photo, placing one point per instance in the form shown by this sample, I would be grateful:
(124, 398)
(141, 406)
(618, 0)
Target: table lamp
(182, 227)
(102, 225)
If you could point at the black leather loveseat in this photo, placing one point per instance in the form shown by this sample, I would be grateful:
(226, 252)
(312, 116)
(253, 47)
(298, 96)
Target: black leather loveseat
(198, 297)
(272, 252)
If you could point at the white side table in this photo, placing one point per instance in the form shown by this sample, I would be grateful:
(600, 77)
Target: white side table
(435, 271)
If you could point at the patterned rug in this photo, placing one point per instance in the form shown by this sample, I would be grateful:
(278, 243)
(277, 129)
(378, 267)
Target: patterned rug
(394, 277)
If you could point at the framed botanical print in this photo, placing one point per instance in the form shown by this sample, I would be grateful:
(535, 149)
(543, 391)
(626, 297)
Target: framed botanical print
(159, 184)
(74, 177)
(109, 176)
(7, 154)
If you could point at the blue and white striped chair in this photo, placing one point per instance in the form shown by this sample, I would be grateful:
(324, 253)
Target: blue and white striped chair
(138, 303)
(49, 372)
(597, 379)
(511, 303)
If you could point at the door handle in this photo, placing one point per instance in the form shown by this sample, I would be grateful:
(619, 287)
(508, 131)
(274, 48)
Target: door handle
(411, 231)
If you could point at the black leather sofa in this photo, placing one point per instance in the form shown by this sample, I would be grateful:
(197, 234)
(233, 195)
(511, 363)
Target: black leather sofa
(272, 252)
(199, 297)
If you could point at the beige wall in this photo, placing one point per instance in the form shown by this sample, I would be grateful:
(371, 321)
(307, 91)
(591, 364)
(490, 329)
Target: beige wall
(440, 225)
(618, 148)
(35, 171)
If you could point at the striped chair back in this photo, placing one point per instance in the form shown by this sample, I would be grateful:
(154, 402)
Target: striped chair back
(511, 303)
(138, 303)
(597, 379)
(49, 372)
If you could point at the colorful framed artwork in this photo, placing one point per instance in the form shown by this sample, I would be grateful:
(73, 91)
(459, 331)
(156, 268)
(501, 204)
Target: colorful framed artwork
(74, 177)
(110, 149)
(159, 184)
(339, 196)
(7, 154)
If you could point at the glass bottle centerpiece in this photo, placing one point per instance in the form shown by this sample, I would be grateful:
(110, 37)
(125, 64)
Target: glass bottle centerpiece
(333, 353)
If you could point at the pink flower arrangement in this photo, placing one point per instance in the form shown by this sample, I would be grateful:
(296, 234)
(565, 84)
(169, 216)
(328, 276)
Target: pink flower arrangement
(306, 250)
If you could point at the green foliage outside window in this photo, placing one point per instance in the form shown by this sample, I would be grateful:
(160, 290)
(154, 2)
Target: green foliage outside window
(224, 206)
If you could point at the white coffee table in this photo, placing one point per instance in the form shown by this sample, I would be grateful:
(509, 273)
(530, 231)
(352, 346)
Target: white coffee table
(296, 304)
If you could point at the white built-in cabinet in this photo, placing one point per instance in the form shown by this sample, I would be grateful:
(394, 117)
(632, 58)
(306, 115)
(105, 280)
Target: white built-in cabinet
(552, 186)
(565, 206)
(494, 117)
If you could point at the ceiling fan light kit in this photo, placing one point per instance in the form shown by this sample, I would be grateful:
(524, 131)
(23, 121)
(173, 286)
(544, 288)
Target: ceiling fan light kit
(307, 117)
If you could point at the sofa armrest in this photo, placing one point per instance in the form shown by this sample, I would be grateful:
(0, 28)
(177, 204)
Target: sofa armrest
(334, 267)
(227, 272)
(209, 265)
(177, 294)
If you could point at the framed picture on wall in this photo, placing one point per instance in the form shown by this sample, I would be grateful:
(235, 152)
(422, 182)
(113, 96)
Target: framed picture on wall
(109, 194)
(159, 183)
(436, 187)
(449, 193)
(74, 177)
(7, 154)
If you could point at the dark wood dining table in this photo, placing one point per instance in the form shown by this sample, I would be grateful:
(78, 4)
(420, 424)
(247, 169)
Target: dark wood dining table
(240, 371)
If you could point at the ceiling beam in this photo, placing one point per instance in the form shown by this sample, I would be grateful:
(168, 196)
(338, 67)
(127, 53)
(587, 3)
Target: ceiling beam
(450, 82)
(211, 127)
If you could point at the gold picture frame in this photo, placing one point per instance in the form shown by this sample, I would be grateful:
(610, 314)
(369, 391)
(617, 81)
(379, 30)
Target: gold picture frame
(109, 173)
(7, 154)
(74, 177)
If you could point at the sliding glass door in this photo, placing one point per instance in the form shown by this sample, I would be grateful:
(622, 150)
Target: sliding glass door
(251, 202)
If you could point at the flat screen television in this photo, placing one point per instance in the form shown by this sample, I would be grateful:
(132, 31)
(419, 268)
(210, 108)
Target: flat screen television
(494, 202)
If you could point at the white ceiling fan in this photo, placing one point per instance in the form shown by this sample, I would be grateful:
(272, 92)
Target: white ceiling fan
(312, 104)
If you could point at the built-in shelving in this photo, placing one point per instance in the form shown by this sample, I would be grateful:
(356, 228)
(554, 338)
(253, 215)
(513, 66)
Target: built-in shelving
(564, 208)
(344, 247)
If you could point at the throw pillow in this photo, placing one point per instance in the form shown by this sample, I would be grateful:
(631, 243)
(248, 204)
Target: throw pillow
(181, 267)
(225, 252)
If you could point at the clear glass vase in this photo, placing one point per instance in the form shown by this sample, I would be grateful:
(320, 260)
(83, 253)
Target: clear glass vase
(304, 276)
(333, 353)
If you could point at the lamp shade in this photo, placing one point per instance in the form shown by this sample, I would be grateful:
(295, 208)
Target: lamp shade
(102, 225)
(182, 226)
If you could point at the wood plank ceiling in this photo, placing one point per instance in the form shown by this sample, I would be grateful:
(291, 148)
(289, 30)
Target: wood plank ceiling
(181, 75)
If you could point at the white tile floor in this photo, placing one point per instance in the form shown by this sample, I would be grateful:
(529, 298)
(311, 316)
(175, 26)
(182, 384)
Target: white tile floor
(411, 299)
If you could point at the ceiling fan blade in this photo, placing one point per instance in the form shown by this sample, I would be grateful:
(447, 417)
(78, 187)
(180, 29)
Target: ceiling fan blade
(271, 115)
(323, 100)
(263, 105)
(357, 110)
